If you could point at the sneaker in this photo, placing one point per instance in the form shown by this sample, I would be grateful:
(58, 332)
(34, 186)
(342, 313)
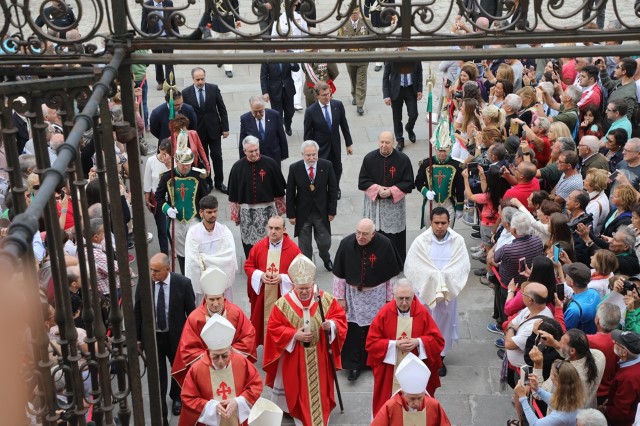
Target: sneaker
(476, 227)
(479, 255)
(149, 237)
(475, 235)
(480, 272)
(500, 343)
(495, 329)
(477, 248)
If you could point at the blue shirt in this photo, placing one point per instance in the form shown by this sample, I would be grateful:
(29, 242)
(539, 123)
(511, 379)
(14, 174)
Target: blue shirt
(581, 311)
(554, 418)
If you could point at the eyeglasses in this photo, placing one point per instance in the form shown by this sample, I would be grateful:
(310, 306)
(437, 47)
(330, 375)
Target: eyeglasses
(623, 149)
(525, 294)
(610, 110)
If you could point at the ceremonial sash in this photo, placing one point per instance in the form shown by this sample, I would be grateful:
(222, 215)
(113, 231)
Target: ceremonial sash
(414, 418)
(183, 196)
(223, 387)
(270, 291)
(403, 331)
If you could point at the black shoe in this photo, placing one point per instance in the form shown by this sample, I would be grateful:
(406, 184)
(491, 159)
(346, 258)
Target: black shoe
(400, 146)
(196, 34)
(339, 194)
(442, 371)
(475, 235)
(501, 353)
(353, 101)
(328, 265)
(219, 65)
(353, 375)
(288, 131)
(222, 188)
(377, 68)
(360, 111)
(475, 227)
(412, 135)
(480, 272)
(229, 74)
(176, 407)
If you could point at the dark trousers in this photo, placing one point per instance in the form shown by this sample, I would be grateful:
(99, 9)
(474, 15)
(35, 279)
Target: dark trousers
(166, 353)
(399, 241)
(322, 236)
(336, 160)
(213, 149)
(181, 263)
(247, 248)
(163, 72)
(588, 10)
(285, 107)
(500, 298)
(161, 225)
(407, 96)
(354, 355)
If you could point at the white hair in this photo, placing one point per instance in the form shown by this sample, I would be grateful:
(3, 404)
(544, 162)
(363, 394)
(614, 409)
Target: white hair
(250, 140)
(307, 144)
(574, 93)
(514, 101)
(402, 282)
(591, 417)
(520, 223)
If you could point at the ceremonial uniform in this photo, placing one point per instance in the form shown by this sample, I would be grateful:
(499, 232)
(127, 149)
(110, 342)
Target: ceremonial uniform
(357, 71)
(447, 183)
(256, 192)
(315, 72)
(384, 357)
(364, 277)
(275, 259)
(388, 214)
(306, 392)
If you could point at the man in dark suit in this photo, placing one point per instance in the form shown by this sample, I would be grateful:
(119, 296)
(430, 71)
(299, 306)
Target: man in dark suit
(312, 199)
(402, 84)
(213, 122)
(173, 301)
(22, 125)
(266, 125)
(322, 123)
(153, 22)
(159, 119)
(279, 89)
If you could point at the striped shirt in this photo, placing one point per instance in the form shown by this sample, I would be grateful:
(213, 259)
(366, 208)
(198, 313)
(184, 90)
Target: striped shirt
(528, 246)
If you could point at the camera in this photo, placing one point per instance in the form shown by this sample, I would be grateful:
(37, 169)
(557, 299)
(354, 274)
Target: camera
(457, 94)
(587, 219)
(627, 286)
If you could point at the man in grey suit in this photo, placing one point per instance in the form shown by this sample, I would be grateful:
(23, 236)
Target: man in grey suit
(323, 121)
(312, 199)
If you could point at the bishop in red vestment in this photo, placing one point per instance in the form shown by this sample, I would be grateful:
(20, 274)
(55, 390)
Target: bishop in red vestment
(221, 386)
(393, 411)
(402, 326)
(297, 342)
(267, 283)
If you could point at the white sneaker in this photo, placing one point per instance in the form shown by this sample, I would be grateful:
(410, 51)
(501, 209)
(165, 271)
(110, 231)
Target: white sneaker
(149, 237)
(477, 248)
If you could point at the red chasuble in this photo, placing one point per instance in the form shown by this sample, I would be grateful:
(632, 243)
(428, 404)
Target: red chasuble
(382, 329)
(258, 260)
(394, 413)
(313, 403)
(197, 391)
(191, 346)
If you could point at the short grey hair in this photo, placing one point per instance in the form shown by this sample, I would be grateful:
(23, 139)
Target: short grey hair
(250, 140)
(514, 101)
(591, 417)
(567, 143)
(27, 161)
(547, 86)
(633, 142)
(95, 211)
(94, 225)
(193, 71)
(574, 93)
(544, 124)
(507, 214)
(608, 316)
(403, 282)
(307, 144)
(520, 223)
(257, 99)
(628, 235)
(591, 142)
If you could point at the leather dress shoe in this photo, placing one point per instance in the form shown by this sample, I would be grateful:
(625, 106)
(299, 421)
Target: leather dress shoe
(222, 188)
(160, 86)
(377, 68)
(412, 135)
(353, 375)
(442, 371)
(176, 407)
(328, 265)
(229, 74)
(400, 146)
(288, 131)
(360, 111)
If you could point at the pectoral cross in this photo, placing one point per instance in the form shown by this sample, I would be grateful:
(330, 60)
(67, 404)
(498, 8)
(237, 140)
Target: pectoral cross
(272, 268)
(372, 259)
(182, 190)
(440, 176)
(392, 171)
(223, 390)
(262, 174)
(403, 335)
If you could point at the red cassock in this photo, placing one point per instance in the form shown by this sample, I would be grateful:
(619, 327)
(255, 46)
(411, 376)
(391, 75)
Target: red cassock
(392, 413)
(191, 346)
(197, 391)
(300, 364)
(258, 260)
(382, 329)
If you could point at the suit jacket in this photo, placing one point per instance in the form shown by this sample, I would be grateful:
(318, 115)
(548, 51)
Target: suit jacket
(181, 303)
(218, 23)
(159, 120)
(23, 131)
(213, 119)
(315, 128)
(392, 78)
(301, 200)
(274, 144)
(149, 27)
(276, 81)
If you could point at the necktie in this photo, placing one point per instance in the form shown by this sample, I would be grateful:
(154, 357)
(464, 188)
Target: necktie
(327, 117)
(405, 80)
(355, 24)
(311, 175)
(200, 98)
(261, 129)
(161, 315)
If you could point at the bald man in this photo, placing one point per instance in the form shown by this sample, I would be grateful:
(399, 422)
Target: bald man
(526, 183)
(173, 301)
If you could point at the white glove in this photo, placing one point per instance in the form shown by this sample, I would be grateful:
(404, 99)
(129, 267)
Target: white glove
(172, 212)
(459, 214)
(431, 195)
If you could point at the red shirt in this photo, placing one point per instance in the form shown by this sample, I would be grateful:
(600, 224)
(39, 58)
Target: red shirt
(522, 191)
(542, 155)
(604, 343)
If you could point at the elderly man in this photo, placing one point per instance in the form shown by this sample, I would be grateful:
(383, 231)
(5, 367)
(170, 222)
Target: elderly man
(621, 244)
(511, 106)
(590, 157)
(568, 106)
(631, 158)
(580, 312)
(624, 395)
(570, 179)
(222, 385)
(256, 192)
(536, 136)
(526, 182)
(607, 320)
(209, 244)
(439, 180)
(386, 177)
(403, 326)
(306, 327)
(266, 125)
(438, 266)
(192, 346)
(312, 201)
(267, 267)
(411, 405)
(366, 266)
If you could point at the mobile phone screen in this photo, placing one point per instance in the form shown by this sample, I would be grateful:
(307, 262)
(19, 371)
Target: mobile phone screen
(524, 375)
(560, 291)
(556, 252)
(522, 264)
